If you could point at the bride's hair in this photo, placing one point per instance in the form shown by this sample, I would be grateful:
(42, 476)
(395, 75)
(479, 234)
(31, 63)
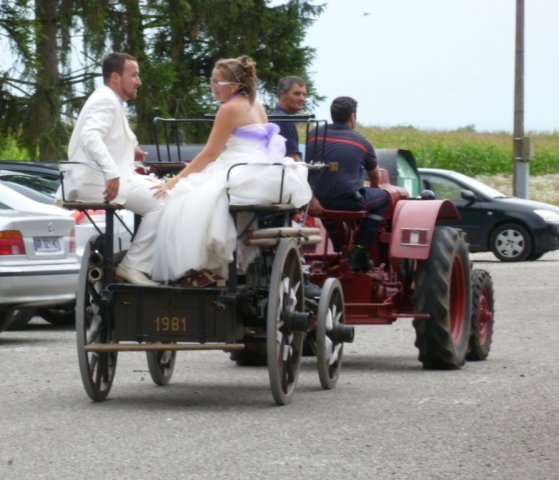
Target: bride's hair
(241, 70)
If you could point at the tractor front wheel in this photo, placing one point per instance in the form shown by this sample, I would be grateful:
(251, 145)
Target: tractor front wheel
(482, 315)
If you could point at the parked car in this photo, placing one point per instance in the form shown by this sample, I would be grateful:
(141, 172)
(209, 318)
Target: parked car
(37, 194)
(512, 228)
(38, 264)
(49, 171)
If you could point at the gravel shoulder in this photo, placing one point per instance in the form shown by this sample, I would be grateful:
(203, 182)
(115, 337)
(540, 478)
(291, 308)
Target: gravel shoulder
(543, 188)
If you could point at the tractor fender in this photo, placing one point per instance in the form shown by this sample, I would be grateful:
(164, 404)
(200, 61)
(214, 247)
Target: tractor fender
(413, 225)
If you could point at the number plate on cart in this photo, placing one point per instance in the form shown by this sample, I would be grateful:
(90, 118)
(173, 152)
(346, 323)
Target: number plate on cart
(47, 244)
(172, 314)
(169, 324)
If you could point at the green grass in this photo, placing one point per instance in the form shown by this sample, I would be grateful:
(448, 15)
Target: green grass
(486, 156)
(467, 151)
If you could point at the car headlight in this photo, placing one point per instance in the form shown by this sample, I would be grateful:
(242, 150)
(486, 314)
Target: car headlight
(548, 215)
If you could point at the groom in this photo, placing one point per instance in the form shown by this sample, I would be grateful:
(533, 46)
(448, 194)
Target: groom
(102, 152)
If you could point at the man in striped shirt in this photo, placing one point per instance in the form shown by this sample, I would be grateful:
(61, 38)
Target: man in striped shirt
(343, 188)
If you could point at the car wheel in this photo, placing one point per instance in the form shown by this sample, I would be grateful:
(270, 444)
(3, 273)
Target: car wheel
(4, 320)
(511, 242)
(18, 319)
(61, 316)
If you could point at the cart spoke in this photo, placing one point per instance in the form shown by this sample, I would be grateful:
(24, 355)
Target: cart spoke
(329, 321)
(335, 353)
(93, 331)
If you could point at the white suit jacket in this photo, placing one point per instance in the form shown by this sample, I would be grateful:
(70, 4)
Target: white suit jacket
(103, 143)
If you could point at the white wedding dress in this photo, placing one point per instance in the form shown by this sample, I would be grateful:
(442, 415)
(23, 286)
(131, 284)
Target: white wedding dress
(197, 231)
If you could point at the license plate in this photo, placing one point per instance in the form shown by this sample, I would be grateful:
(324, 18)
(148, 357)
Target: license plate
(47, 245)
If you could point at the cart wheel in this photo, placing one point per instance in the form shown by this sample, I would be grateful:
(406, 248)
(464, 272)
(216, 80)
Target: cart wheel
(286, 323)
(329, 347)
(97, 369)
(161, 365)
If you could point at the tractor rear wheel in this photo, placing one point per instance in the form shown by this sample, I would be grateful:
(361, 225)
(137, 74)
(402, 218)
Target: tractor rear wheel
(442, 290)
(482, 315)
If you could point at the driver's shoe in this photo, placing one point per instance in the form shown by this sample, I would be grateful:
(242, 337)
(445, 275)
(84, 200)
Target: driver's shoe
(359, 260)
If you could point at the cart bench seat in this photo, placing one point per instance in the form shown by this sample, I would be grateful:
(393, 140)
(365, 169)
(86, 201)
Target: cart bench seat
(270, 236)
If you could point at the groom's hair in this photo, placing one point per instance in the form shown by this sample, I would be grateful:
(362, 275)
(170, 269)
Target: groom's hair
(114, 62)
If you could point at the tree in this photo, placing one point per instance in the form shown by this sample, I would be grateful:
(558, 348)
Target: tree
(33, 91)
(175, 41)
(186, 38)
(15, 23)
(44, 107)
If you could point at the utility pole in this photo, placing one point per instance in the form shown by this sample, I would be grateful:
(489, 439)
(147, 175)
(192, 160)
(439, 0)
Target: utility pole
(522, 148)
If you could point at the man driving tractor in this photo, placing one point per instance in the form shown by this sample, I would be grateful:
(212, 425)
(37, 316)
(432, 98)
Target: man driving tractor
(343, 188)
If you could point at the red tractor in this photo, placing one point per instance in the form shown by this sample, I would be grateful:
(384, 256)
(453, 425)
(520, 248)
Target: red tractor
(421, 270)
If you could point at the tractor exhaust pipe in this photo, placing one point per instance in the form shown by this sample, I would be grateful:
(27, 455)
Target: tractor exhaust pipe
(96, 259)
(95, 274)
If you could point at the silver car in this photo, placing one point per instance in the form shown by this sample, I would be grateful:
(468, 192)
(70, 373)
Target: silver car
(38, 263)
(31, 193)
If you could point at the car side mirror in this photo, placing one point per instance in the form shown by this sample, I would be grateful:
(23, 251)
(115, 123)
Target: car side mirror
(468, 195)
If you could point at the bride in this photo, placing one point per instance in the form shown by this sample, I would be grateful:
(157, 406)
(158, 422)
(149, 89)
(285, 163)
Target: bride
(197, 231)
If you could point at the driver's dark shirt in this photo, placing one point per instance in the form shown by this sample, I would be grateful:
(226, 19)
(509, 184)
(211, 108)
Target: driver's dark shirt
(354, 155)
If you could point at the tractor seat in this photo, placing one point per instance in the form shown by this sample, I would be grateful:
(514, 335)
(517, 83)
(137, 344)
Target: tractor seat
(343, 215)
(340, 225)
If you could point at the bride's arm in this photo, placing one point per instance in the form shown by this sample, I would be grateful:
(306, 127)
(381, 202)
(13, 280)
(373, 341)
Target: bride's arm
(224, 124)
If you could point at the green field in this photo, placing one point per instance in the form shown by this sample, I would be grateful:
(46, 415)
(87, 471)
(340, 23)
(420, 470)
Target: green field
(486, 156)
(465, 150)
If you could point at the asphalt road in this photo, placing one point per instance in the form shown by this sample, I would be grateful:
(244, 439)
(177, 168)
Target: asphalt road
(387, 419)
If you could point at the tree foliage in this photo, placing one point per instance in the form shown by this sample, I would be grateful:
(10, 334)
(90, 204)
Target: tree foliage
(58, 46)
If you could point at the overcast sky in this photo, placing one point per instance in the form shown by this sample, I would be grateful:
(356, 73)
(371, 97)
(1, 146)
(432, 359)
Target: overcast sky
(440, 64)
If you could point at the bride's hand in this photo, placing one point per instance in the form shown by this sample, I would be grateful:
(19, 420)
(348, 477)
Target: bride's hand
(161, 189)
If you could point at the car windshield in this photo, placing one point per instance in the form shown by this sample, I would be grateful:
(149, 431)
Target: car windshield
(452, 183)
(29, 192)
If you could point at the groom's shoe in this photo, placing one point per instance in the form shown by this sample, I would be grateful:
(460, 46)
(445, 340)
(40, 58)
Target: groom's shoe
(131, 275)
